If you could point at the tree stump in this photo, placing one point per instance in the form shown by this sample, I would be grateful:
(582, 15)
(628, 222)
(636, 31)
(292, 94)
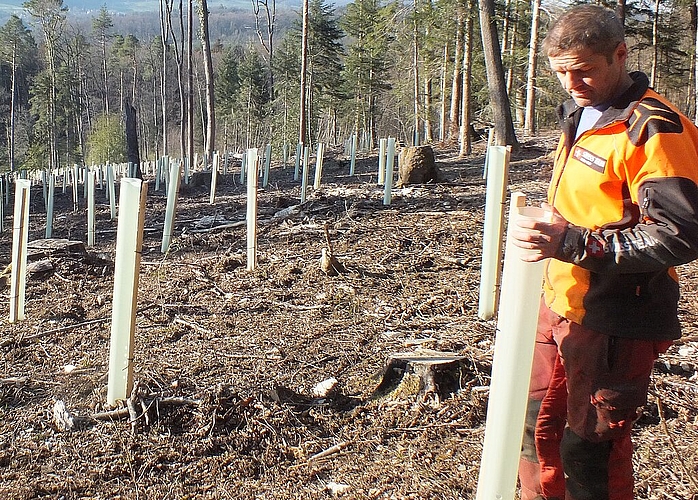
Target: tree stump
(132, 150)
(201, 178)
(417, 166)
(48, 247)
(422, 372)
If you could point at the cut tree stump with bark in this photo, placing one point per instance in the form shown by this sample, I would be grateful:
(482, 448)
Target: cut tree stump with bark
(417, 166)
(48, 247)
(422, 371)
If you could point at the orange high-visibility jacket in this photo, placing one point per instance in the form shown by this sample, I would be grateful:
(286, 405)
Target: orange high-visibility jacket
(628, 188)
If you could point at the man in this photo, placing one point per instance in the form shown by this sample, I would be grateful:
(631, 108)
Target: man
(625, 210)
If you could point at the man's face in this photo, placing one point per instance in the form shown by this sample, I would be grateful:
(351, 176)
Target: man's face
(589, 78)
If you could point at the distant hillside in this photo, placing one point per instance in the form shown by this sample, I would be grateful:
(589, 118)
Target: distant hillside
(229, 22)
(124, 6)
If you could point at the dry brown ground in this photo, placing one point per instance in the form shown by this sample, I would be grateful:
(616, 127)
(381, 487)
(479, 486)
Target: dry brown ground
(243, 351)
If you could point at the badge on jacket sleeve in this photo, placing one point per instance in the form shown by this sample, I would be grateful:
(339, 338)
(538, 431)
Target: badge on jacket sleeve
(595, 247)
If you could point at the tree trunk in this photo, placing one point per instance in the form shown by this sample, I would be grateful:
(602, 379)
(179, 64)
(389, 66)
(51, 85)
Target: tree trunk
(465, 140)
(428, 137)
(442, 115)
(132, 150)
(190, 83)
(503, 124)
(530, 119)
(105, 75)
(156, 135)
(456, 98)
(163, 82)
(248, 121)
(179, 61)
(415, 69)
(268, 42)
(121, 90)
(13, 90)
(208, 72)
(302, 125)
(509, 41)
(655, 45)
(695, 65)
(620, 10)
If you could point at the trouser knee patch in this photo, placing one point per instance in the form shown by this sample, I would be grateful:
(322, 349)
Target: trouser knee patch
(528, 448)
(586, 466)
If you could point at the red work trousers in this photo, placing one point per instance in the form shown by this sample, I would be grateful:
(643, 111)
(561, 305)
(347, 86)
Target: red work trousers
(586, 392)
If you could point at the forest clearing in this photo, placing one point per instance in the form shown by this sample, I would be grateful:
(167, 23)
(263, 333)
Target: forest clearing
(227, 361)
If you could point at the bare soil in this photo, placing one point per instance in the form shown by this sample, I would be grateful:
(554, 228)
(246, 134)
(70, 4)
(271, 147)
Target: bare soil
(226, 359)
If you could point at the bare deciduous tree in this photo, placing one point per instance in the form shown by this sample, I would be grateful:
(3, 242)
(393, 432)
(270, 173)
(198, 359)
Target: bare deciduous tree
(208, 75)
(503, 124)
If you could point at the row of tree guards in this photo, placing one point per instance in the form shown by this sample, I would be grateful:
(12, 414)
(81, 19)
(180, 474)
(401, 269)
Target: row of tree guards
(517, 303)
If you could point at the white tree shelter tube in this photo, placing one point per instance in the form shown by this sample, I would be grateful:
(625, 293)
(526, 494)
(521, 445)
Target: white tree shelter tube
(267, 166)
(388, 177)
(214, 177)
(297, 166)
(127, 262)
(511, 367)
(111, 189)
(354, 147)
(171, 207)
(382, 152)
(304, 176)
(319, 157)
(91, 177)
(49, 204)
(497, 173)
(20, 236)
(253, 172)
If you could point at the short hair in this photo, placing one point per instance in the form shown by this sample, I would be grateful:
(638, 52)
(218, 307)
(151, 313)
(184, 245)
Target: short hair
(585, 27)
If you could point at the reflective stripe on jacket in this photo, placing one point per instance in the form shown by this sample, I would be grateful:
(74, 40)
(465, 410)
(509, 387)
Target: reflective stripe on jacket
(628, 187)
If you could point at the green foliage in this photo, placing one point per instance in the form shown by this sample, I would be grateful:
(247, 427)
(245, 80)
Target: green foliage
(16, 40)
(371, 27)
(228, 80)
(102, 24)
(65, 110)
(360, 72)
(325, 50)
(50, 14)
(326, 89)
(254, 89)
(287, 62)
(18, 65)
(107, 141)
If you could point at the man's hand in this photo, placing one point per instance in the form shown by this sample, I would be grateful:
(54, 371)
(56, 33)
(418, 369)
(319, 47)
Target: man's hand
(540, 239)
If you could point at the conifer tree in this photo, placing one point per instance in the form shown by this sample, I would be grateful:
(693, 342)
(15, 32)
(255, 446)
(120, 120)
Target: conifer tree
(50, 16)
(101, 27)
(366, 68)
(18, 49)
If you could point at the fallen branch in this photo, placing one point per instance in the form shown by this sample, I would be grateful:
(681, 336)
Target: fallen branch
(131, 406)
(299, 308)
(332, 450)
(274, 357)
(191, 325)
(69, 327)
(121, 413)
(231, 225)
(14, 381)
(687, 470)
(66, 328)
(110, 415)
(454, 260)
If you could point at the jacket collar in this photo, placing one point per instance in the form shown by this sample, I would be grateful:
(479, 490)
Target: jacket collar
(619, 110)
